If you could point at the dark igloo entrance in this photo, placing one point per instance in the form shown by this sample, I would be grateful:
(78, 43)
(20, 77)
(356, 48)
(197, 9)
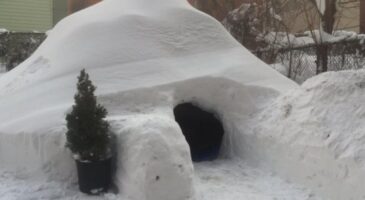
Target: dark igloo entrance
(202, 130)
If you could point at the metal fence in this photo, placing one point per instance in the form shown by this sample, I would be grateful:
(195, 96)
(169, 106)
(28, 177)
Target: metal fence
(301, 63)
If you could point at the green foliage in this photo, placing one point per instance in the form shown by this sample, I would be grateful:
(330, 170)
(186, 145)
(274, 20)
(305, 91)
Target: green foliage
(88, 131)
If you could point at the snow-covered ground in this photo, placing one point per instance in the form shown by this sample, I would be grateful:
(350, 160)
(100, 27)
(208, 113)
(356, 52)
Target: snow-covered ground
(229, 179)
(218, 180)
(18, 187)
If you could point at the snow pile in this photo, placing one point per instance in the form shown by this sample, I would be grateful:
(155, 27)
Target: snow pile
(310, 38)
(349, 35)
(315, 135)
(145, 58)
(125, 45)
(304, 64)
(3, 30)
(155, 159)
(281, 39)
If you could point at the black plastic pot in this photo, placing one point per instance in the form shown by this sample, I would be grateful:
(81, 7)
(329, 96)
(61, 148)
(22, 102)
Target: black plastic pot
(94, 177)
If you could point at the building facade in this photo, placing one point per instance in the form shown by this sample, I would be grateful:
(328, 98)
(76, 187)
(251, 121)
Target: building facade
(298, 15)
(76, 5)
(37, 15)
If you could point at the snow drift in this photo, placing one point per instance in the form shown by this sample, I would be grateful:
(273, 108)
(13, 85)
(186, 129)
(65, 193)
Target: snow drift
(145, 57)
(318, 131)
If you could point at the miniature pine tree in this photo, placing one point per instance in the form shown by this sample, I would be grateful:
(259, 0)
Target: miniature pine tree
(88, 131)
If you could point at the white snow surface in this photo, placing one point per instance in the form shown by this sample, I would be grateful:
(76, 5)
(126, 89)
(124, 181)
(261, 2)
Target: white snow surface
(125, 45)
(218, 180)
(310, 38)
(318, 131)
(231, 179)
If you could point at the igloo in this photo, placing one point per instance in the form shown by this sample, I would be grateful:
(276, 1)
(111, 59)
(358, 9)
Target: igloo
(146, 57)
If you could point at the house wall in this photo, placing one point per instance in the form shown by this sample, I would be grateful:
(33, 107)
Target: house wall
(60, 10)
(347, 17)
(76, 5)
(37, 15)
(293, 13)
(219, 8)
(26, 15)
(362, 16)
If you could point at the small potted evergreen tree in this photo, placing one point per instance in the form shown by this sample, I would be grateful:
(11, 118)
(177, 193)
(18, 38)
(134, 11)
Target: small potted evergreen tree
(88, 138)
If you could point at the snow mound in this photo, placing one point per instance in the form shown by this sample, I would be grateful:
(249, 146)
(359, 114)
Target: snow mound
(124, 45)
(155, 159)
(322, 127)
(145, 57)
(331, 103)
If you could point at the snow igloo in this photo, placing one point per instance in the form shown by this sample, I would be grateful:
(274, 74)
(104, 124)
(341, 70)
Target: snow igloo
(146, 58)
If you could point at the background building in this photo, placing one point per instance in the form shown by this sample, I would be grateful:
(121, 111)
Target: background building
(76, 5)
(298, 15)
(37, 15)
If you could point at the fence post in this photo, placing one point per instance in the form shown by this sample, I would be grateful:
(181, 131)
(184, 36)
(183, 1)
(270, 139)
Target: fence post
(322, 58)
(290, 68)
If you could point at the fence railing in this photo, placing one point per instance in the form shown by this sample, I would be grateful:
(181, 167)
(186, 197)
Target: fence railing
(302, 62)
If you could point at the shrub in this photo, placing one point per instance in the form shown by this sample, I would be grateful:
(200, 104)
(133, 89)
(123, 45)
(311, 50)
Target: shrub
(88, 132)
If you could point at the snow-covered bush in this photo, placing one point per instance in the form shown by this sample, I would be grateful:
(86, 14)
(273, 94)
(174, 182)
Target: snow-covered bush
(250, 23)
(16, 47)
(243, 23)
(88, 131)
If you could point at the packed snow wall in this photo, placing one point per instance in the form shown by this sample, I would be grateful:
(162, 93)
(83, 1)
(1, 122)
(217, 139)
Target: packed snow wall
(145, 57)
